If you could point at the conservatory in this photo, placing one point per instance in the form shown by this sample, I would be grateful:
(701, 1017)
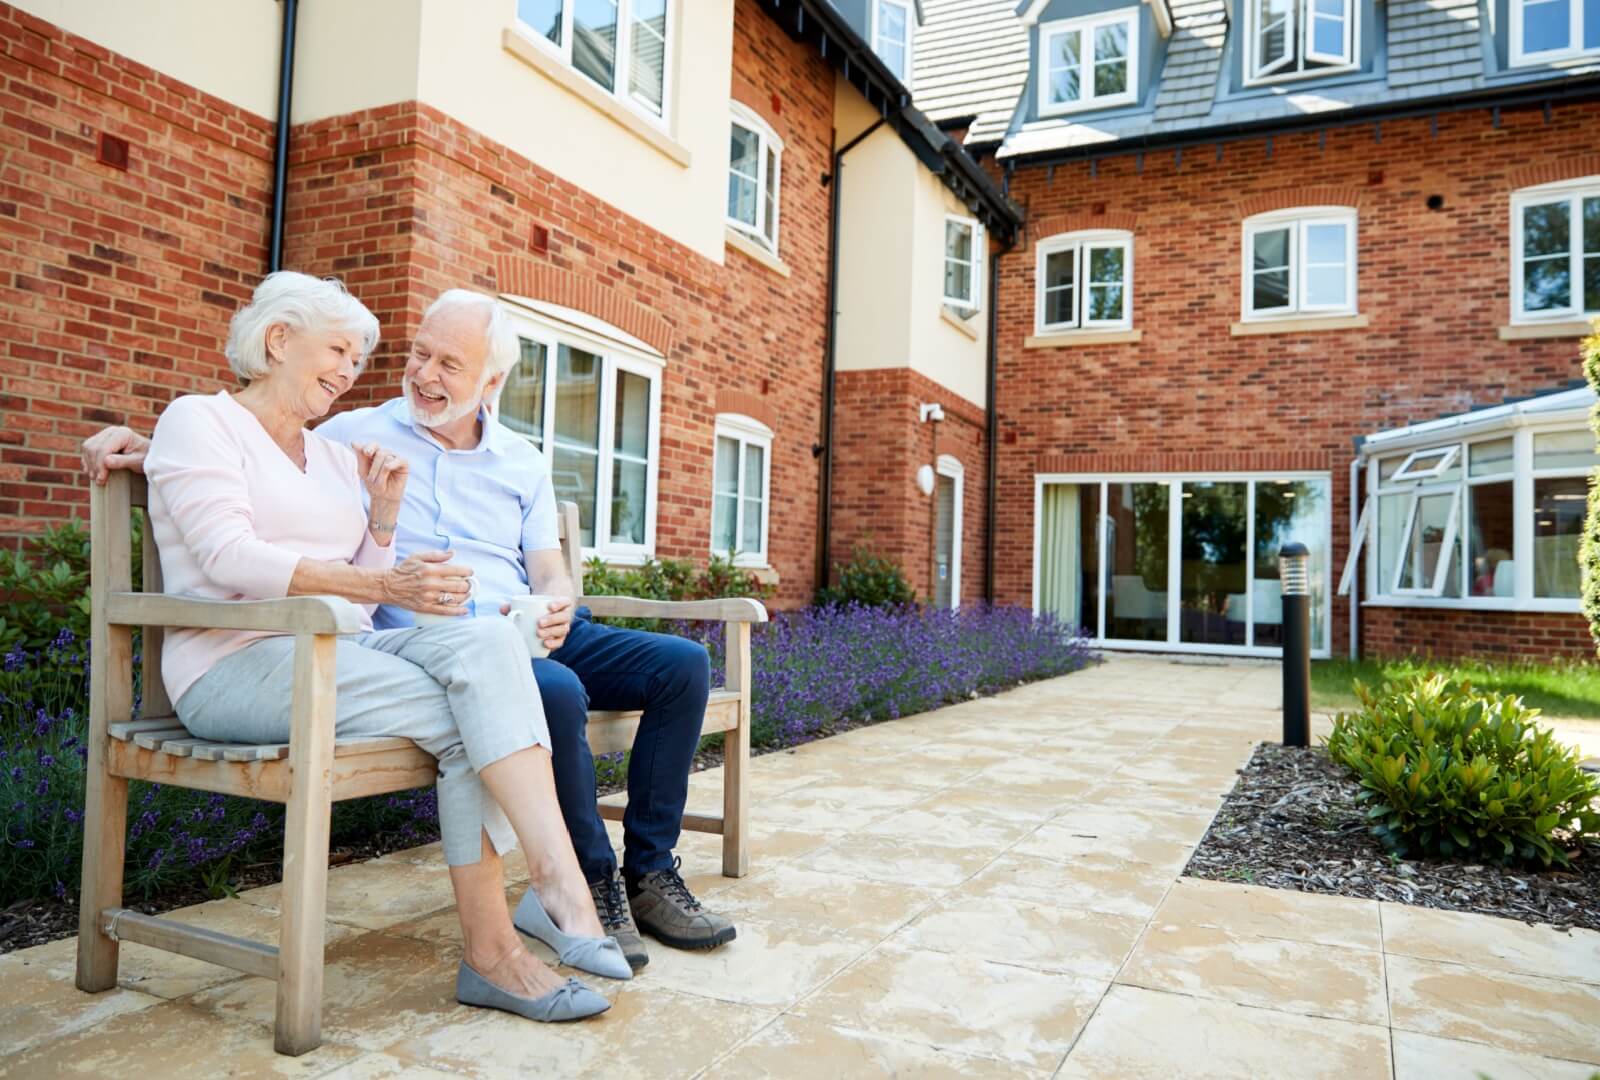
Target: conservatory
(1478, 511)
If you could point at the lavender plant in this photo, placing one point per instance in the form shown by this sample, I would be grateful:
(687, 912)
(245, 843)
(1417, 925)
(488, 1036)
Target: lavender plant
(812, 671)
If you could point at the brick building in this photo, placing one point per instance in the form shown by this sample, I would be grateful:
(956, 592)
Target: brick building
(653, 199)
(1295, 270)
(1291, 271)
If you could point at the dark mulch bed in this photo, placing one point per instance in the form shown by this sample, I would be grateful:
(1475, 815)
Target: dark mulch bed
(1292, 822)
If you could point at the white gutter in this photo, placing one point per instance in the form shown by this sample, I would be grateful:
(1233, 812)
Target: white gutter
(1355, 585)
(1566, 405)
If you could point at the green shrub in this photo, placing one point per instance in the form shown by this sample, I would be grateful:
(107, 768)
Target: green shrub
(671, 579)
(1448, 771)
(46, 587)
(1589, 542)
(868, 579)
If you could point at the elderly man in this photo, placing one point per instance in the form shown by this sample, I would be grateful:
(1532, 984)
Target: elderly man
(485, 494)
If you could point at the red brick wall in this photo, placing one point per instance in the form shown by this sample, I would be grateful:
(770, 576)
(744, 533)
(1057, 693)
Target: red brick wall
(404, 202)
(1510, 635)
(116, 285)
(881, 442)
(1433, 283)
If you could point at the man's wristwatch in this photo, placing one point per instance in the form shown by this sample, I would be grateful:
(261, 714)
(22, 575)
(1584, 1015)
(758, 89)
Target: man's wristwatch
(381, 526)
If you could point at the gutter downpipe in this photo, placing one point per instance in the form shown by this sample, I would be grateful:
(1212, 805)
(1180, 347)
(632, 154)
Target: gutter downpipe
(991, 436)
(1355, 581)
(280, 156)
(829, 352)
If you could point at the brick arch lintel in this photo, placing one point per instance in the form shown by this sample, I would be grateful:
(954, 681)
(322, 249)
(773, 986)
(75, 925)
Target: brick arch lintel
(516, 276)
(1056, 224)
(1571, 169)
(754, 406)
(1305, 195)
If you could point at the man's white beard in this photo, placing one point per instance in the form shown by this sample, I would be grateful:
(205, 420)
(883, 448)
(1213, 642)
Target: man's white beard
(453, 411)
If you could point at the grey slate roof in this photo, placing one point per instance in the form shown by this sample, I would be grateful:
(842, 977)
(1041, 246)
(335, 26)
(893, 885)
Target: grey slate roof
(975, 62)
(971, 59)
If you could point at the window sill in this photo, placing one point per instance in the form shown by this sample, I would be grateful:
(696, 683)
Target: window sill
(1067, 339)
(1305, 324)
(948, 314)
(742, 243)
(1564, 328)
(537, 57)
(1478, 603)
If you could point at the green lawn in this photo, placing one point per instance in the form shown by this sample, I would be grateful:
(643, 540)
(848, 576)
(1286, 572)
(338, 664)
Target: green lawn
(1561, 689)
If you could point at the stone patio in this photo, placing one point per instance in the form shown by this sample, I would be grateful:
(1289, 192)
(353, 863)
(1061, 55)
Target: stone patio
(989, 890)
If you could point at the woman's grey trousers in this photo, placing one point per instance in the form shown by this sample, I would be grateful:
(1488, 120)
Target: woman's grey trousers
(464, 692)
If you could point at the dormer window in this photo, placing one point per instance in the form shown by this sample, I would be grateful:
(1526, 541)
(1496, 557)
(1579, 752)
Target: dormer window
(891, 36)
(1287, 39)
(1089, 63)
(1546, 30)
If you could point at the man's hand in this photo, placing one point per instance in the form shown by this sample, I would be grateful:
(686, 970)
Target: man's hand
(555, 626)
(114, 448)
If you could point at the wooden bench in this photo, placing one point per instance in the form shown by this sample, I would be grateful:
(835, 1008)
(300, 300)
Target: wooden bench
(311, 770)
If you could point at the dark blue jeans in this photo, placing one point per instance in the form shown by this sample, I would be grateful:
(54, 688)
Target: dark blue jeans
(603, 667)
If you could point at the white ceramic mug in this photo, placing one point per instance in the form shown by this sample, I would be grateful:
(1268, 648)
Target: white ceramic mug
(425, 618)
(526, 611)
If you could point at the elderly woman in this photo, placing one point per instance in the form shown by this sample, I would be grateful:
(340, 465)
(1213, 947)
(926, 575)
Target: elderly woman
(247, 503)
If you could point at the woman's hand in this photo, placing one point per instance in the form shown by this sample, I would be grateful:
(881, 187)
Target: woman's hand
(427, 582)
(383, 472)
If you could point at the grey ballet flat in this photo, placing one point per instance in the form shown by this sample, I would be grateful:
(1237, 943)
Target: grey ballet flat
(574, 1001)
(596, 955)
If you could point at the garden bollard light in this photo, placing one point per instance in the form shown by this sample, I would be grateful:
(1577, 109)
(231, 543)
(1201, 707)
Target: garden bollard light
(1295, 582)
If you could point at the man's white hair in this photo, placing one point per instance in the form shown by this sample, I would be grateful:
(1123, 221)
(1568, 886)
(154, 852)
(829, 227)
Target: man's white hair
(504, 348)
(300, 302)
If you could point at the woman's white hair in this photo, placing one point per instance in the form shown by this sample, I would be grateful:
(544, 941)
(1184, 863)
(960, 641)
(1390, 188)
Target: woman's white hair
(504, 348)
(300, 302)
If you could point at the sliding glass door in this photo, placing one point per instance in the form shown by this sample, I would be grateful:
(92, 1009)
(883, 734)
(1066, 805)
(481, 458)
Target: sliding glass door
(1180, 563)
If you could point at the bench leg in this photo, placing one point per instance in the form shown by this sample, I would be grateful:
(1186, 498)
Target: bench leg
(105, 838)
(305, 849)
(736, 758)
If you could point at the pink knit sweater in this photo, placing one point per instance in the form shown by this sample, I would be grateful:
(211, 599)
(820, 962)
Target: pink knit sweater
(233, 516)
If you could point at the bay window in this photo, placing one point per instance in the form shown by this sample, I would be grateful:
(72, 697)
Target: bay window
(620, 44)
(1089, 62)
(1287, 39)
(1299, 262)
(1546, 30)
(741, 480)
(1555, 251)
(1084, 281)
(1490, 519)
(591, 404)
(755, 160)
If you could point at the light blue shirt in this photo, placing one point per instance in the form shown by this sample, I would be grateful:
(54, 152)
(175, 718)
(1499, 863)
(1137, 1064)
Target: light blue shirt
(487, 503)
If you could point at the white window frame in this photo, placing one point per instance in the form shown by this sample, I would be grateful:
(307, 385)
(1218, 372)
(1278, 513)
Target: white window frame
(1297, 221)
(621, 74)
(1520, 57)
(1086, 26)
(1521, 474)
(1572, 192)
(1080, 243)
(951, 467)
(766, 139)
(1415, 466)
(747, 432)
(975, 301)
(1450, 550)
(1175, 482)
(1300, 31)
(618, 353)
(909, 9)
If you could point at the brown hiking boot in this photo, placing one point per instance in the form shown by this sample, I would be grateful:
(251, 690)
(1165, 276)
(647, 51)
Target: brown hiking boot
(611, 904)
(668, 912)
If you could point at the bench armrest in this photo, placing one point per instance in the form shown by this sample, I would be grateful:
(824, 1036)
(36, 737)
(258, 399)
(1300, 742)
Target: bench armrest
(293, 615)
(736, 609)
